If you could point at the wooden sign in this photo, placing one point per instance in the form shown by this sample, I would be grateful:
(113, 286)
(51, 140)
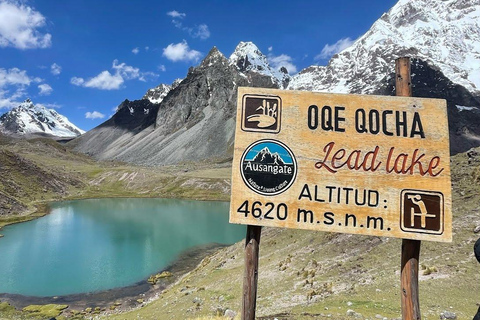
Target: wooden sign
(360, 164)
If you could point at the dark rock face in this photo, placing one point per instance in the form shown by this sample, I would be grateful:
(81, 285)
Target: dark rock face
(194, 122)
(133, 115)
(428, 82)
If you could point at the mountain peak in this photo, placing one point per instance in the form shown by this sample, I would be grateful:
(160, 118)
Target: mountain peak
(214, 57)
(28, 118)
(248, 58)
(445, 34)
(157, 94)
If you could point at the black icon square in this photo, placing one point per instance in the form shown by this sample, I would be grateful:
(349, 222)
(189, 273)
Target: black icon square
(422, 211)
(261, 113)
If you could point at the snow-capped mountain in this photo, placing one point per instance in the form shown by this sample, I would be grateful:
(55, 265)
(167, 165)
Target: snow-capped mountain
(157, 94)
(195, 121)
(248, 58)
(445, 34)
(266, 156)
(30, 119)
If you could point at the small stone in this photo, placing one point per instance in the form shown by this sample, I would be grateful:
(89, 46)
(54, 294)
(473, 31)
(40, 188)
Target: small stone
(350, 313)
(197, 300)
(448, 315)
(477, 229)
(349, 303)
(220, 312)
(140, 301)
(230, 314)
(379, 316)
(221, 298)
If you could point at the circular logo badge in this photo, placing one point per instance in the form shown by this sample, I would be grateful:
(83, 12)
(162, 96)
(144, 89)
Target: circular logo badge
(268, 167)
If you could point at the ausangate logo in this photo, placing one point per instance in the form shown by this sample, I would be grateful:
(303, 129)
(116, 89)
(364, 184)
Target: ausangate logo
(268, 167)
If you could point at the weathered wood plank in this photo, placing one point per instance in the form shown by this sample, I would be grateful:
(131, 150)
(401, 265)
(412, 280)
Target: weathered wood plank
(410, 248)
(361, 164)
(250, 278)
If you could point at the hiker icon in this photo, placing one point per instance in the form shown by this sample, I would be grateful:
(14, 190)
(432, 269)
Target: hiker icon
(422, 211)
(423, 214)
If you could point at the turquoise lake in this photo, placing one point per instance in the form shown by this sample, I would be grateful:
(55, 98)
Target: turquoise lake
(98, 244)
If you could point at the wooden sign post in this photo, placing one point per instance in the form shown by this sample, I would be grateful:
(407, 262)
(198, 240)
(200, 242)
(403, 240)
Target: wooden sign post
(410, 248)
(358, 164)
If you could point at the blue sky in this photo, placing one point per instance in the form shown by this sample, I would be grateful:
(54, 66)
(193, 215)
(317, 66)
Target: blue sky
(85, 57)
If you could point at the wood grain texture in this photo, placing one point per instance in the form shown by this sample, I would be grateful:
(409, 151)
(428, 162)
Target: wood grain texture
(410, 248)
(409, 279)
(250, 278)
(363, 166)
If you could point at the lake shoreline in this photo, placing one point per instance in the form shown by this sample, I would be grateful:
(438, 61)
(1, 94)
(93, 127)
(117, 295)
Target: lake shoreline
(122, 298)
(43, 208)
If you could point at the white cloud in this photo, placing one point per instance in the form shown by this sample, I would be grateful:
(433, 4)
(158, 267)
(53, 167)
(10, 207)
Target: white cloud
(127, 72)
(77, 81)
(270, 49)
(135, 50)
(18, 26)
(181, 52)
(105, 81)
(13, 84)
(14, 76)
(201, 32)
(162, 68)
(49, 105)
(176, 14)
(331, 49)
(147, 48)
(108, 81)
(55, 69)
(147, 76)
(282, 60)
(94, 115)
(45, 89)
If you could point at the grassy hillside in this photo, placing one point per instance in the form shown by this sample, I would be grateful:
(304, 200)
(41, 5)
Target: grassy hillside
(41, 170)
(303, 274)
(306, 275)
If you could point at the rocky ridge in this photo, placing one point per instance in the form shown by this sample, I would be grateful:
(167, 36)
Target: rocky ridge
(195, 120)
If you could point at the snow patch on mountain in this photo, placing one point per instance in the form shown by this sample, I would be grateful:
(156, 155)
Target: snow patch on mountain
(28, 118)
(157, 94)
(446, 34)
(247, 57)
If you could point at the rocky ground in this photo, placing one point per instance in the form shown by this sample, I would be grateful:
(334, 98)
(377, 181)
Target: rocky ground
(303, 274)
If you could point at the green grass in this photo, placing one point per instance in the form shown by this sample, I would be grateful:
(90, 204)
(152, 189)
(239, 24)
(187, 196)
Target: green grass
(303, 274)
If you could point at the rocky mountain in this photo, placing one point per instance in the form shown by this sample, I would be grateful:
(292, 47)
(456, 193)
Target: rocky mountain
(442, 37)
(156, 95)
(445, 34)
(195, 120)
(27, 119)
(249, 60)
